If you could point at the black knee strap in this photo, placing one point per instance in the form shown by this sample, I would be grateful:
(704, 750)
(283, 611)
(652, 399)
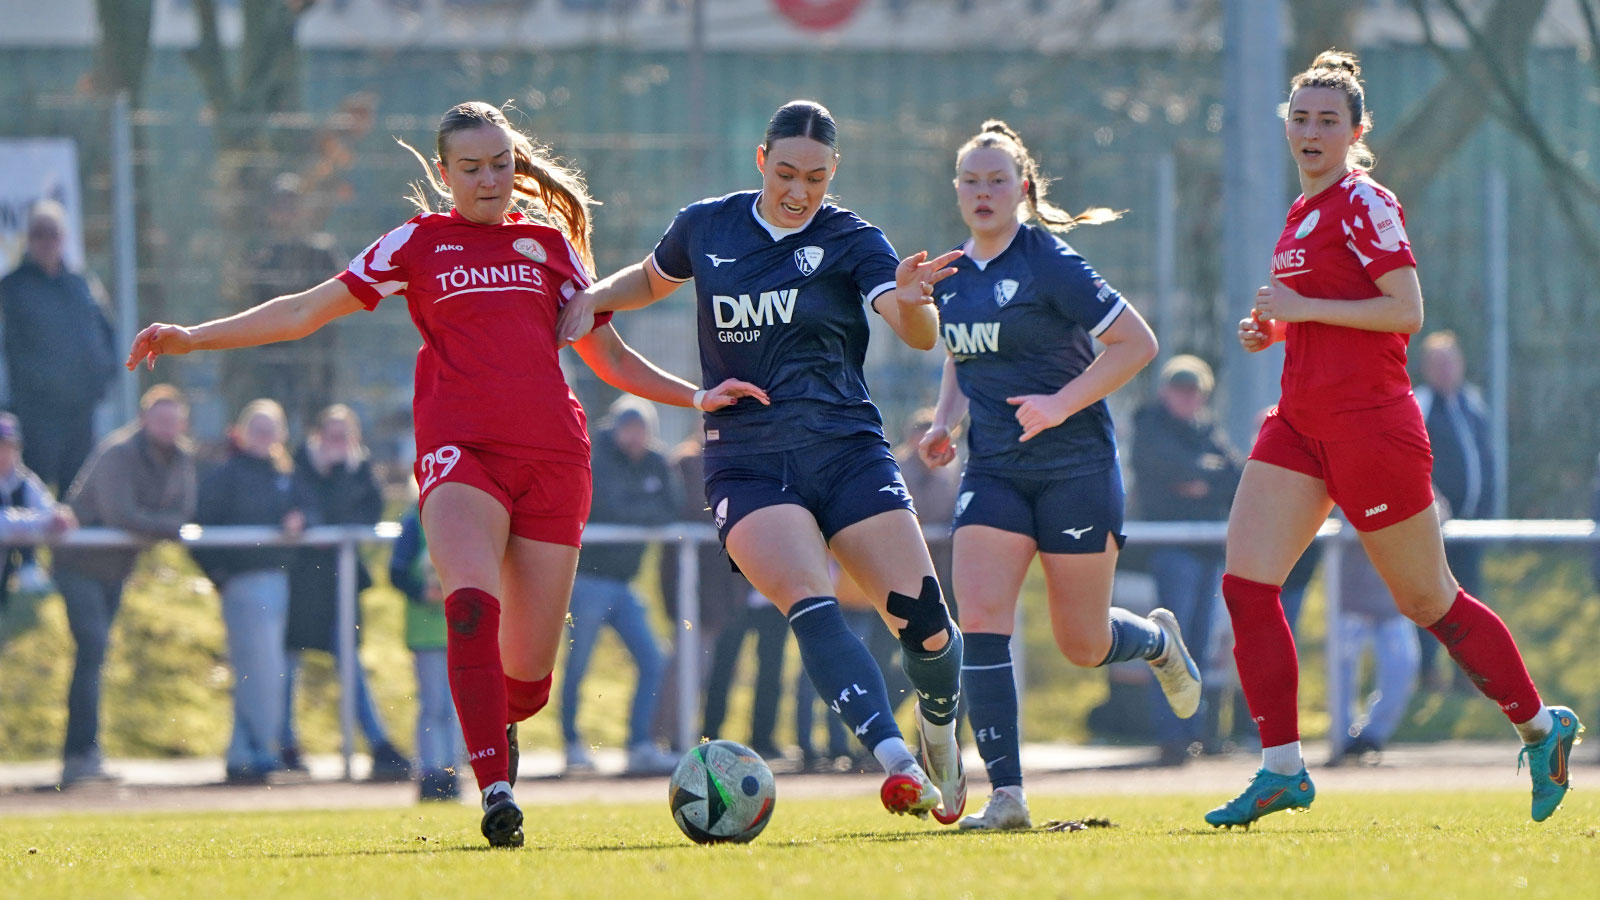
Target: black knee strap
(925, 614)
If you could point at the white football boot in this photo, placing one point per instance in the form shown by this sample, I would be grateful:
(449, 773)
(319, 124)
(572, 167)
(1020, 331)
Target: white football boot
(1007, 810)
(1176, 670)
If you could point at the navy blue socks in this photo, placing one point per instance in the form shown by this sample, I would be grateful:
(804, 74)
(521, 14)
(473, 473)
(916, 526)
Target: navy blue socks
(991, 704)
(1133, 637)
(842, 670)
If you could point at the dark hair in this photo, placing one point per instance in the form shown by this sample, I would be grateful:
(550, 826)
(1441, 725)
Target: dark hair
(803, 118)
(1342, 72)
(998, 135)
(542, 187)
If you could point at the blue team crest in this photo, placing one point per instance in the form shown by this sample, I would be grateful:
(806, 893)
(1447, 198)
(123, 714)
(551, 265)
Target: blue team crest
(808, 259)
(1004, 290)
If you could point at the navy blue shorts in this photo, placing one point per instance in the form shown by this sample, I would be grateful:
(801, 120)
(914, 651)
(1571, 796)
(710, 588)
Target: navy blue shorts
(840, 482)
(1063, 515)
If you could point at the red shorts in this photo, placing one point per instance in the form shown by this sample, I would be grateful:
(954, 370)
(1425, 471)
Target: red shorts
(1377, 479)
(547, 500)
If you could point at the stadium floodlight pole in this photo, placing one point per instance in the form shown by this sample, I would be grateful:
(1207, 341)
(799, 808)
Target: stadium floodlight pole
(1495, 289)
(1336, 545)
(347, 652)
(1253, 198)
(687, 629)
(124, 242)
(1166, 248)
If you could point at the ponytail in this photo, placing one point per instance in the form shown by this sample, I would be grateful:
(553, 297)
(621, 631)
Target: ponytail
(997, 134)
(542, 187)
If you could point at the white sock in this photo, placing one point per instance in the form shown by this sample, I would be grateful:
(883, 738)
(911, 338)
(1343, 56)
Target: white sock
(892, 753)
(497, 787)
(938, 735)
(1537, 728)
(1283, 759)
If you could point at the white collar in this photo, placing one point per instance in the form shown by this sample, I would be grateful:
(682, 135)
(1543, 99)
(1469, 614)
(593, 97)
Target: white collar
(777, 233)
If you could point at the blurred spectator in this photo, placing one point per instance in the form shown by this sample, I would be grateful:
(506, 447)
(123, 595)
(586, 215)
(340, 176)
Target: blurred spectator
(439, 742)
(30, 515)
(755, 613)
(254, 486)
(933, 491)
(633, 485)
(1185, 470)
(141, 478)
(1368, 617)
(59, 351)
(301, 374)
(334, 485)
(722, 591)
(1463, 467)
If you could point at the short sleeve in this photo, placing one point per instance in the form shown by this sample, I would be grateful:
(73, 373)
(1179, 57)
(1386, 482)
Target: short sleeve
(1376, 229)
(875, 262)
(671, 256)
(379, 270)
(1077, 292)
(578, 280)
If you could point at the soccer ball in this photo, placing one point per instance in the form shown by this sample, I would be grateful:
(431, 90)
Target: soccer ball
(721, 792)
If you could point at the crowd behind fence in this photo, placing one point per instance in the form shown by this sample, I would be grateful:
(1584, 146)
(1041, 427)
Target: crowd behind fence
(685, 539)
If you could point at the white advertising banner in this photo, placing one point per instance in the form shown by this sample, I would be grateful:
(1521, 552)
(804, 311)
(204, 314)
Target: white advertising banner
(34, 169)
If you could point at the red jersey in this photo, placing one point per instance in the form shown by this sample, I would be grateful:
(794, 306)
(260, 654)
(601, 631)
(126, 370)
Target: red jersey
(485, 299)
(1343, 382)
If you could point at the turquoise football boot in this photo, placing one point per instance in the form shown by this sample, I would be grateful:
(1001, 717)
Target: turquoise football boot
(1547, 762)
(1268, 793)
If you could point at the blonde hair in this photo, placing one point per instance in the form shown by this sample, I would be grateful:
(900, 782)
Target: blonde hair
(1340, 71)
(542, 187)
(998, 135)
(337, 412)
(162, 393)
(263, 406)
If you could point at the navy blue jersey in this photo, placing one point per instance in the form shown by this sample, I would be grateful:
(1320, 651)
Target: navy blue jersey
(1022, 323)
(786, 312)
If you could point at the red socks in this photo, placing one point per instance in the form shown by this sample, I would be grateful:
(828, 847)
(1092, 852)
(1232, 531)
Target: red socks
(477, 681)
(1263, 648)
(1482, 646)
(524, 698)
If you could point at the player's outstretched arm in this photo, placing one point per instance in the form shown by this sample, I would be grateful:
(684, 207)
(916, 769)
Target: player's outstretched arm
(623, 368)
(938, 446)
(634, 287)
(285, 318)
(1130, 345)
(909, 308)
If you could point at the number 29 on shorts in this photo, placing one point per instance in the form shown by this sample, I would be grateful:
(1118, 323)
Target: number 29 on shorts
(436, 464)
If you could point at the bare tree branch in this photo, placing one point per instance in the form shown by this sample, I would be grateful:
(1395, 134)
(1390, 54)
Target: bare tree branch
(1441, 122)
(1593, 27)
(1514, 110)
(1510, 107)
(207, 61)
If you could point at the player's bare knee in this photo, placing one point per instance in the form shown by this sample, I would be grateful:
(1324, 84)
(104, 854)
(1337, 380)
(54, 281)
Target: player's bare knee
(1084, 651)
(927, 618)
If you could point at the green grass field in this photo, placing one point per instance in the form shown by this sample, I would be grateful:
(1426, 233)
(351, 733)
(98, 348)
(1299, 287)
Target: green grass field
(1352, 845)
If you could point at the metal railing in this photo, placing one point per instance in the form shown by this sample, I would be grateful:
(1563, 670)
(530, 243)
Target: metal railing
(686, 538)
